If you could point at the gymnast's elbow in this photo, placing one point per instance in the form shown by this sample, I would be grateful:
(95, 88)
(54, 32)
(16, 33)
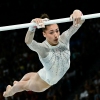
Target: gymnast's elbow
(27, 41)
(28, 38)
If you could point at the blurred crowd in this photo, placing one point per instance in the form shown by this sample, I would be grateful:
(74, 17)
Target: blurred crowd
(16, 59)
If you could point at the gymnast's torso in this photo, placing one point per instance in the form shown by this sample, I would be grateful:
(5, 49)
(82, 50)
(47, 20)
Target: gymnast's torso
(56, 63)
(55, 59)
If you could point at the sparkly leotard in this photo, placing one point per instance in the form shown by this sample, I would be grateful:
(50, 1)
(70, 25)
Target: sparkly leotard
(55, 59)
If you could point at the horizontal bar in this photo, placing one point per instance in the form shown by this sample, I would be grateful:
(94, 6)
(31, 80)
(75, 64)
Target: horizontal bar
(61, 20)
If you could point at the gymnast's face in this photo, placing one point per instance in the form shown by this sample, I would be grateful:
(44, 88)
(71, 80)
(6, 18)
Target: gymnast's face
(51, 33)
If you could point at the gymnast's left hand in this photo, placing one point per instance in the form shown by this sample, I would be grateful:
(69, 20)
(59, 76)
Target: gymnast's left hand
(76, 17)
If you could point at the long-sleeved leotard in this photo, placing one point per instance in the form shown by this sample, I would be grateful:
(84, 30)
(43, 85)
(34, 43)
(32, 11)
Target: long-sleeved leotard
(55, 59)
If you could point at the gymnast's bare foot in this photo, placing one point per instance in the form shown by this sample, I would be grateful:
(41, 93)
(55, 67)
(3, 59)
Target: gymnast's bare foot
(8, 91)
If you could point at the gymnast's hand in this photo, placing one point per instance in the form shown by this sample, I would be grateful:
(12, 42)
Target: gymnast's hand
(76, 17)
(40, 22)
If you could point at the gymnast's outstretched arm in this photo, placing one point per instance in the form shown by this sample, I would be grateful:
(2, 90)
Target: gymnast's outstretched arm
(31, 43)
(77, 23)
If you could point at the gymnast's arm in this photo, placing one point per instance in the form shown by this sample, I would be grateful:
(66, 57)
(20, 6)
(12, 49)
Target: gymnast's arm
(34, 45)
(29, 36)
(77, 23)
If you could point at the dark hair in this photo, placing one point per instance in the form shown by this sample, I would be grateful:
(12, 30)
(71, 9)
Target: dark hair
(44, 15)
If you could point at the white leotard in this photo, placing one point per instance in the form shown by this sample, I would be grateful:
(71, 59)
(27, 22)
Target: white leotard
(55, 59)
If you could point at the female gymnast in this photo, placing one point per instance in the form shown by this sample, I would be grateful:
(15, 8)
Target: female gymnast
(54, 54)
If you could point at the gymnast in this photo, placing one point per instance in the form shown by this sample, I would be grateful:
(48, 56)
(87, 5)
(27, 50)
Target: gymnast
(53, 52)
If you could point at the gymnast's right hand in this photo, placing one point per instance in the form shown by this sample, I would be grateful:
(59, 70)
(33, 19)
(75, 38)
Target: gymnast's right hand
(39, 22)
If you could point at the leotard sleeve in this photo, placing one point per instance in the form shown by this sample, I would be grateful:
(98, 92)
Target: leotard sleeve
(66, 35)
(40, 48)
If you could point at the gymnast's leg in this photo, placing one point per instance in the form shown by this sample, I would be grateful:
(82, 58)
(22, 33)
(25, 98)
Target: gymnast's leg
(35, 83)
(25, 77)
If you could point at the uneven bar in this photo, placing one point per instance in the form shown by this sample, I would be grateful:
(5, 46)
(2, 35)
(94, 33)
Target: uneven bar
(61, 20)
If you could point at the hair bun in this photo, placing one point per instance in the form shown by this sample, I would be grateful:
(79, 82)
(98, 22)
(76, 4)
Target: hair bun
(44, 16)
